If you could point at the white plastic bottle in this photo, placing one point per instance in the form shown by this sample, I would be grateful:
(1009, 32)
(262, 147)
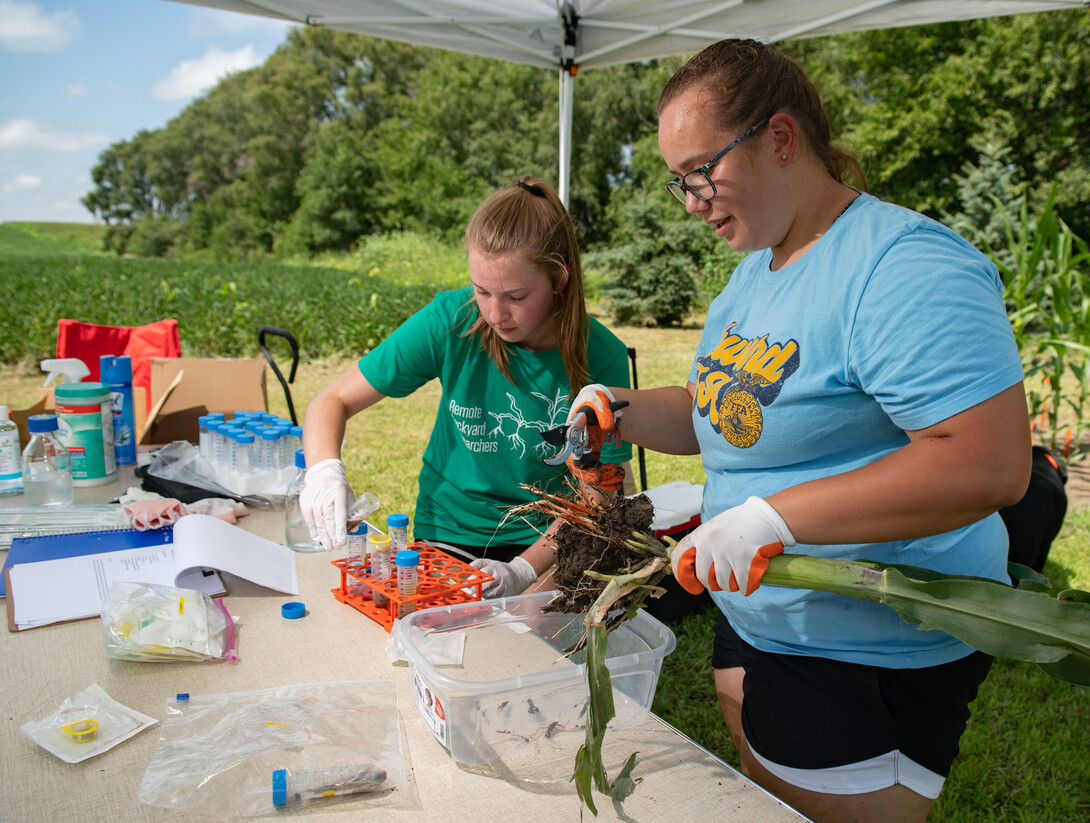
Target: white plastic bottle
(47, 467)
(296, 533)
(11, 473)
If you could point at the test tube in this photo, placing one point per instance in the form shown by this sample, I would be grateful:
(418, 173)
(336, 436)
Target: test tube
(231, 434)
(287, 449)
(214, 427)
(297, 437)
(271, 439)
(295, 786)
(397, 526)
(244, 463)
(205, 442)
(379, 547)
(408, 563)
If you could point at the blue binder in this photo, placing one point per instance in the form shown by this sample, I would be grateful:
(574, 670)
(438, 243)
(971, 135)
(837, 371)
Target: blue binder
(76, 544)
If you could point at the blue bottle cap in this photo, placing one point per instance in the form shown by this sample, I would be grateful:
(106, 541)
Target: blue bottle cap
(270, 434)
(296, 431)
(245, 437)
(300, 460)
(293, 611)
(397, 520)
(280, 787)
(40, 423)
(407, 557)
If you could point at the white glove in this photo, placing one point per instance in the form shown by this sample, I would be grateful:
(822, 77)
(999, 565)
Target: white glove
(734, 546)
(325, 502)
(510, 578)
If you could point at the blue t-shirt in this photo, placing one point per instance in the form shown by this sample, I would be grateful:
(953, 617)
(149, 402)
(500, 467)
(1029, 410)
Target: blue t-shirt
(486, 442)
(890, 322)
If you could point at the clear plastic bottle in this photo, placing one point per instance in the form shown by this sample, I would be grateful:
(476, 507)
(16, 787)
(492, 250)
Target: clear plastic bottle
(11, 474)
(408, 579)
(47, 466)
(296, 533)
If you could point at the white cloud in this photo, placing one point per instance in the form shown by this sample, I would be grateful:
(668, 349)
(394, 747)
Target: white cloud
(24, 134)
(28, 27)
(75, 90)
(22, 182)
(192, 77)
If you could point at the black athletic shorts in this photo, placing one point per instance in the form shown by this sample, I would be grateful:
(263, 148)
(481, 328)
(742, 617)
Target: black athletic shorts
(815, 713)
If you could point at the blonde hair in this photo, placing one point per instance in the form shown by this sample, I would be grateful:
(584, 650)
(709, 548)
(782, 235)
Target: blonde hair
(528, 218)
(750, 81)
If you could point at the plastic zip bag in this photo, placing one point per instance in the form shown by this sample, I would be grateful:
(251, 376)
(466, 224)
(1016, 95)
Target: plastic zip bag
(152, 623)
(230, 754)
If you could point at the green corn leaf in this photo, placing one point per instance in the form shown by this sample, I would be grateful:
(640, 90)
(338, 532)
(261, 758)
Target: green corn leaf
(996, 618)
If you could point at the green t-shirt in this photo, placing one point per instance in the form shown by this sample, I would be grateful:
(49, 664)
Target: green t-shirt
(486, 440)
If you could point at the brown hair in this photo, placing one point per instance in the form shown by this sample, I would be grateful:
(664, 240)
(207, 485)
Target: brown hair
(527, 217)
(750, 81)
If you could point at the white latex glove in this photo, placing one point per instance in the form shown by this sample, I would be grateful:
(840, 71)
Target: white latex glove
(733, 546)
(325, 502)
(510, 578)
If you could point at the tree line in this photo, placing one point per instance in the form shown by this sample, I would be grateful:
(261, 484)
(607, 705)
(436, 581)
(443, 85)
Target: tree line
(339, 136)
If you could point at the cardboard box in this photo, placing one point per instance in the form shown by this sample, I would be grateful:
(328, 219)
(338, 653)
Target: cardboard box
(185, 388)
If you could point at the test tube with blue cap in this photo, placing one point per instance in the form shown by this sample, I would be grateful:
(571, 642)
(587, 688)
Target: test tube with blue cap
(296, 786)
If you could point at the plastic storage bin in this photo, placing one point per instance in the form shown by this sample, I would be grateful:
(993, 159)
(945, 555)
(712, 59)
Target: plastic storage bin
(514, 690)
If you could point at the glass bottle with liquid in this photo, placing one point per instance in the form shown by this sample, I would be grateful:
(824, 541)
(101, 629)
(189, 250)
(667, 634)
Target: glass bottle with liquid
(296, 533)
(47, 466)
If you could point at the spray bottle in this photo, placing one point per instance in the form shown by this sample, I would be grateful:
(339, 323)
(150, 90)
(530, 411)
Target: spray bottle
(64, 369)
(116, 372)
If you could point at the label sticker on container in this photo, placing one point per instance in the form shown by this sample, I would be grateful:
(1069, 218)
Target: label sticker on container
(431, 709)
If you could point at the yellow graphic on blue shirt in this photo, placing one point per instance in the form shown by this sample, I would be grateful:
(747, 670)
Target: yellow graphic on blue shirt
(738, 377)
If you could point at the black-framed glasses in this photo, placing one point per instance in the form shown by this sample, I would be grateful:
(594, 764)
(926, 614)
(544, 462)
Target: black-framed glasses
(698, 182)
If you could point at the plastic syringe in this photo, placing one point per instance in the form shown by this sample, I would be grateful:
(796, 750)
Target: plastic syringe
(312, 784)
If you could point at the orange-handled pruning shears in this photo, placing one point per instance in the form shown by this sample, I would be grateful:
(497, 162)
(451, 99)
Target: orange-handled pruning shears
(572, 438)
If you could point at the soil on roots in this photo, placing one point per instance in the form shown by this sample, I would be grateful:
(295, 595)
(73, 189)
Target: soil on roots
(602, 550)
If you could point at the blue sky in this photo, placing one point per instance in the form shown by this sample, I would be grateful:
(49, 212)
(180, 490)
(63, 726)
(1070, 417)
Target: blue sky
(79, 75)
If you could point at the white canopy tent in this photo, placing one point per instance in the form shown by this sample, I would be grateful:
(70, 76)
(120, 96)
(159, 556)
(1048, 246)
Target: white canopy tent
(574, 35)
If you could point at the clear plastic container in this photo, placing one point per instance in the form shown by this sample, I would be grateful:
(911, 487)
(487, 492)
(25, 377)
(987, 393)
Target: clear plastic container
(515, 691)
(47, 466)
(296, 534)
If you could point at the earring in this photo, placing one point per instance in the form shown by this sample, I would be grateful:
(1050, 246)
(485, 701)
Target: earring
(783, 156)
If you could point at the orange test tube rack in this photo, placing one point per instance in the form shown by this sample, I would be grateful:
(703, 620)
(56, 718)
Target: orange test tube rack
(441, 580)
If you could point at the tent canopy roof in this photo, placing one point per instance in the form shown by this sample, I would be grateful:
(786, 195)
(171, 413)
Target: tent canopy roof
(593, 33)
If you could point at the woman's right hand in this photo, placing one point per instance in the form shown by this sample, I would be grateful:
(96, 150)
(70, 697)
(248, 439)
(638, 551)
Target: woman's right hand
(325, 502)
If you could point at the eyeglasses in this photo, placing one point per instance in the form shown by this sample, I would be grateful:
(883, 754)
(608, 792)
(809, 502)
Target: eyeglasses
(698, 182)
